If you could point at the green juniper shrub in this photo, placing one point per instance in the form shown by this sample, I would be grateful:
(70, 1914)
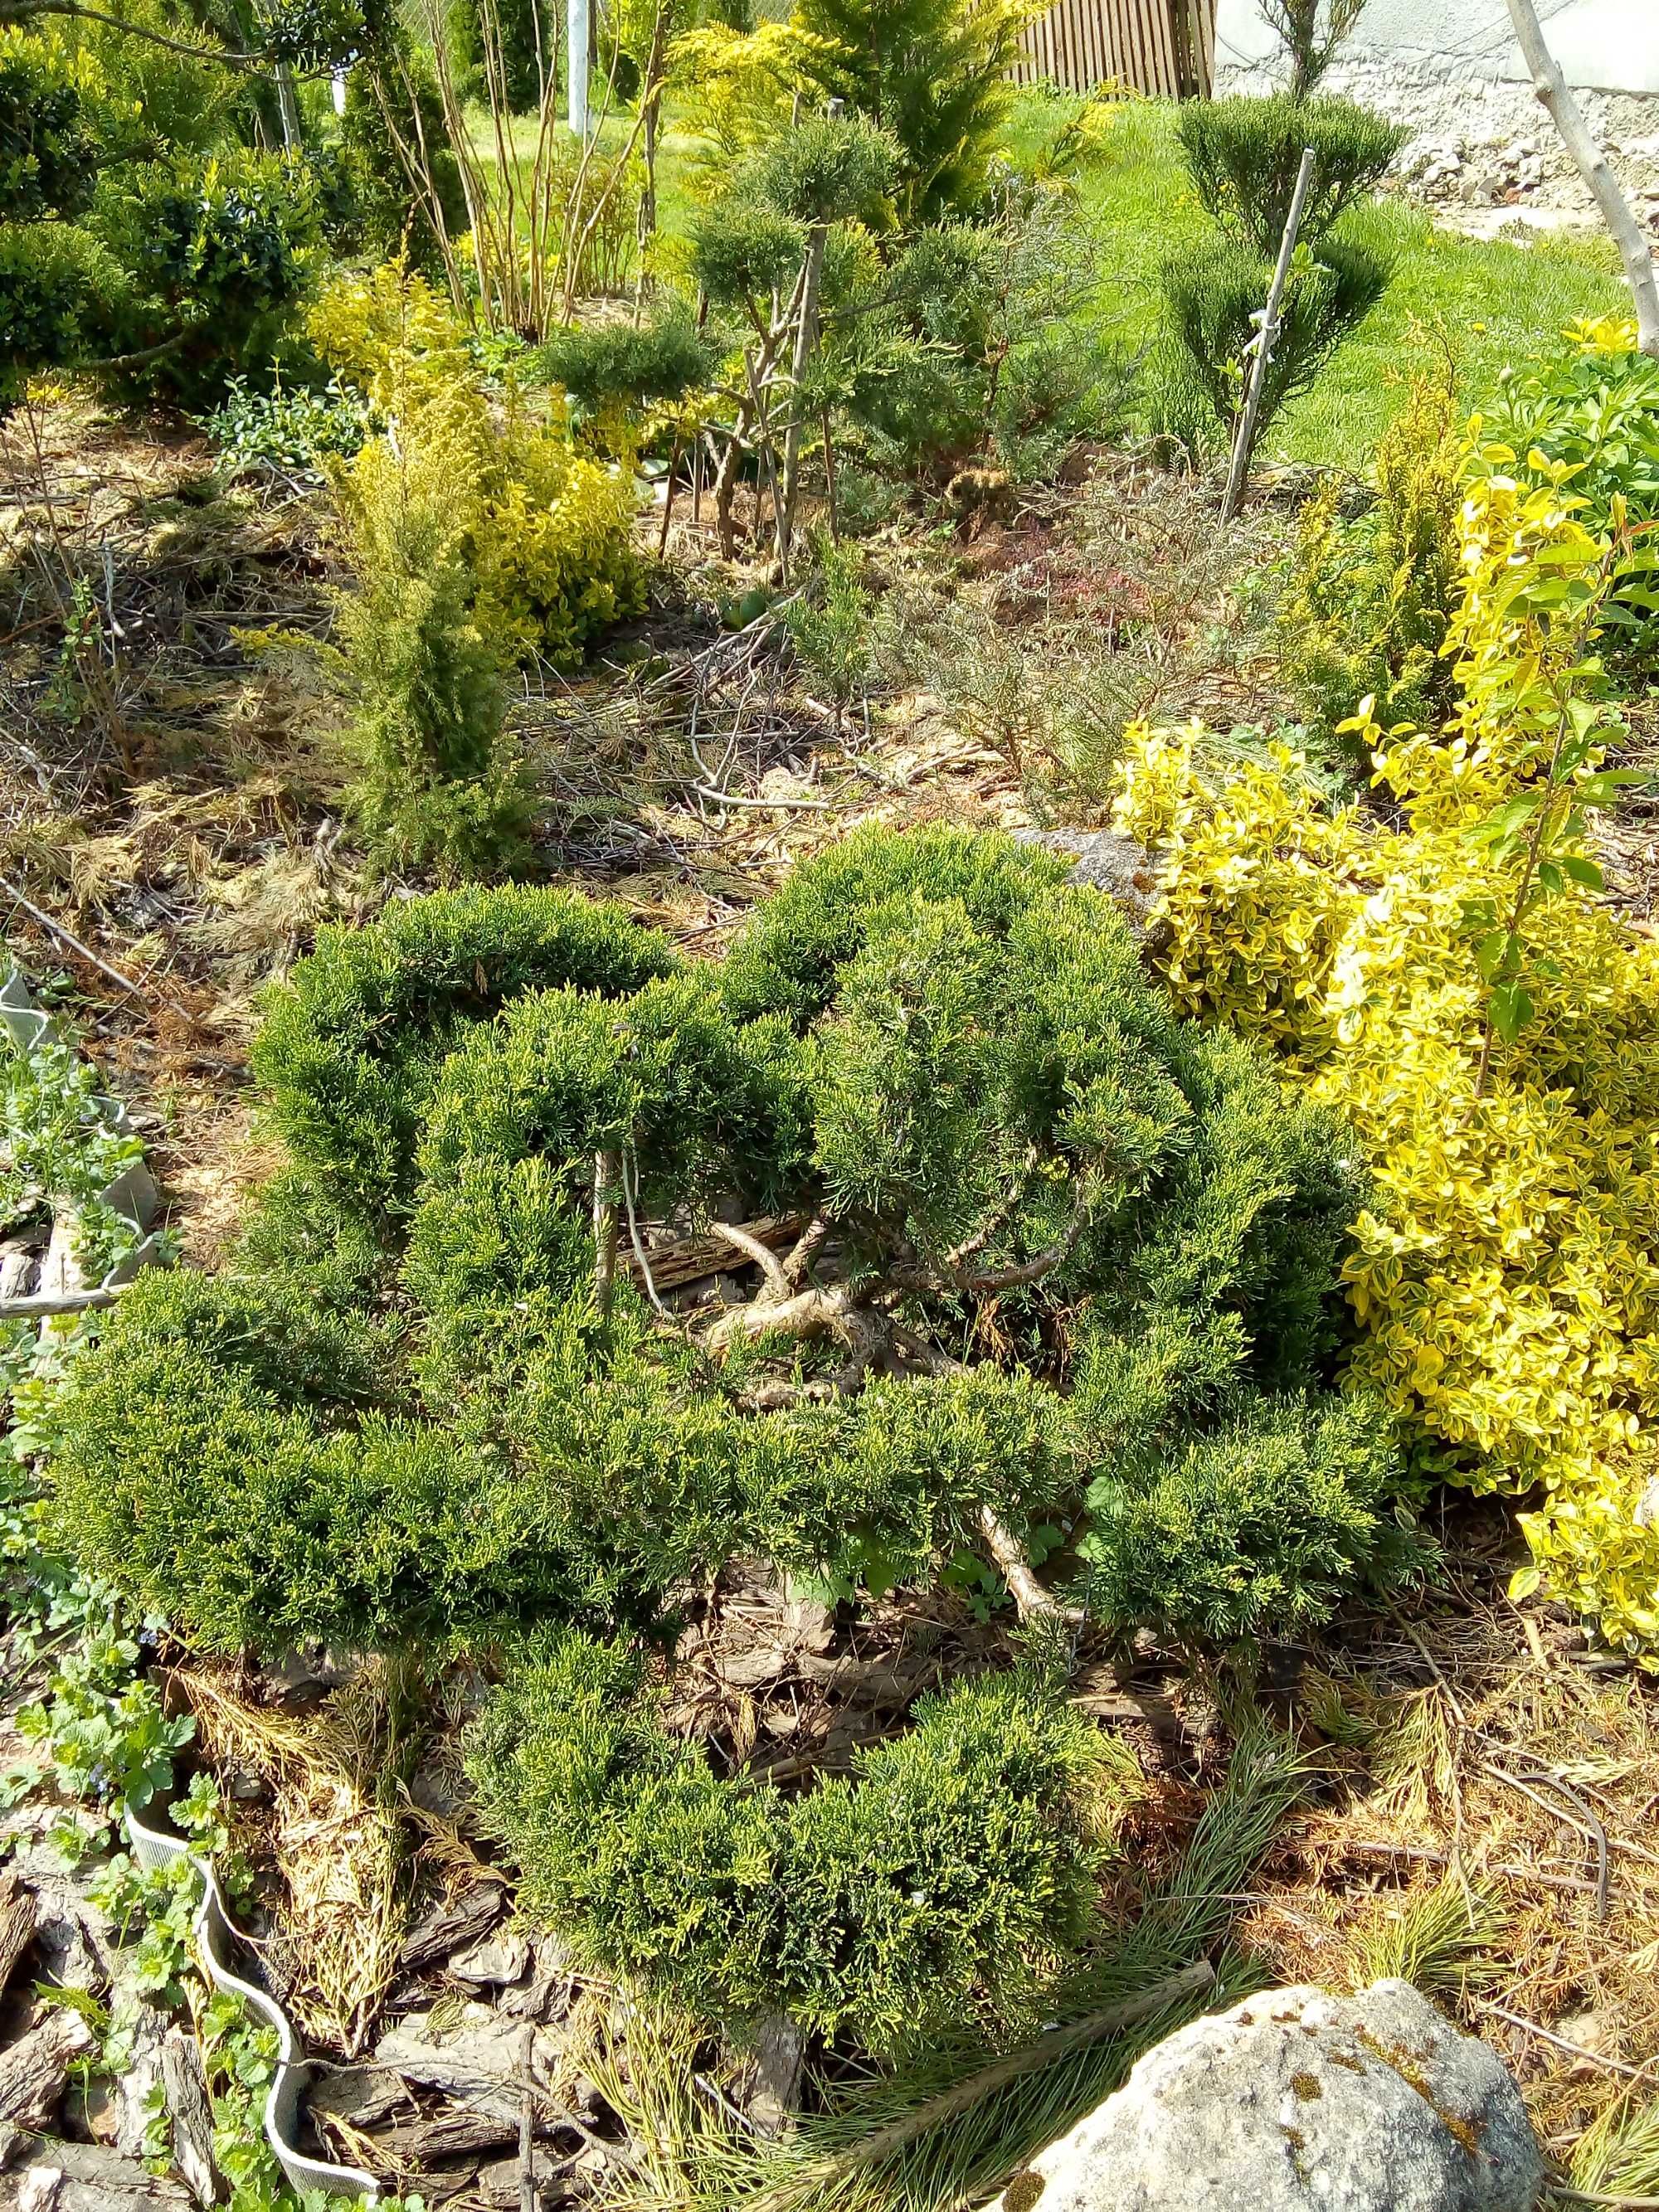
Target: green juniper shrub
(786, 959)
(1213, 293)
(954, 1876)
(831, 625)
(1243, 155)
(480, 1421)
(740, 252)
(439, 1405)
(224, 1454)
(825, 172)
(351, 1045)
(660, 361)
(623, 1837)
(683, 1095)
(440, 785)
(949, 1878)
(1261, 1526)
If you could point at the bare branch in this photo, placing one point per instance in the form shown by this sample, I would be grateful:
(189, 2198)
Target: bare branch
(638, 1242)
(1000, 1217)
(800, 1258)
(48, 1305)
(1551, 86)
(767, 1261)
(984, 1282)
(1032, 1599)
(20, 12)
(604, 1231)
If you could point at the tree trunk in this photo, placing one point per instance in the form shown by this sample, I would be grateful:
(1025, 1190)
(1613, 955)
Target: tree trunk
(806, 331)
(1244, 439)
(1551, 88)
(288, 107)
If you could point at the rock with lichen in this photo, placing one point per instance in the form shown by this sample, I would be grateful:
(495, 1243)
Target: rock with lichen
(1295, 2099)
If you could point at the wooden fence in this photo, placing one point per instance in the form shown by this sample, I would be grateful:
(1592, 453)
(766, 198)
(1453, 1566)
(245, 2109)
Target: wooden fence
(1163, 47)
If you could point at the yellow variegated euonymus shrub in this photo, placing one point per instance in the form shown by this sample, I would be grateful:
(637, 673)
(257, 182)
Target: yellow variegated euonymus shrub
(1506, 1276)
(544, 529)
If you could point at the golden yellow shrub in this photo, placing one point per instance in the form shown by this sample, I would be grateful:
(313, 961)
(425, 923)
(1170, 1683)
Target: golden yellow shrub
(1506, 1276)
(544, 530)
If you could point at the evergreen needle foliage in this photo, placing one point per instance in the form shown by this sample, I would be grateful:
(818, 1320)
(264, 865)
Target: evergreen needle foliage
(1214, 295)
(1370, 600)
(440, 787)
(1073, 1264)
(938, 2129)
(933, 73)
(1243, 156)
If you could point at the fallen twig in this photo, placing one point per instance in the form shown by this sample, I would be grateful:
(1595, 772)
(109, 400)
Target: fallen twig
(1579, 2049)
(51, 1303)
(67, 936)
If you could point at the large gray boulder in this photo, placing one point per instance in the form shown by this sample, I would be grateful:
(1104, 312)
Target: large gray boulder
(1298, 2100)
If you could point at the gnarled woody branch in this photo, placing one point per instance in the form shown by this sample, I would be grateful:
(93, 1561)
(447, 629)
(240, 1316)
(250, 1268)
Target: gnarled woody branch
(948, 1277)
(840, 1311)
(808, 1313)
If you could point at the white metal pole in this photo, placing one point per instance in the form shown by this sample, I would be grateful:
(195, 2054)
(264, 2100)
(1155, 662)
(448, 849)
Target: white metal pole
(577, 23)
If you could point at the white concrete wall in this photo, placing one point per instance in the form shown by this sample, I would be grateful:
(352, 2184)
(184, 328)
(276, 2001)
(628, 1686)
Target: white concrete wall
(1602, 45)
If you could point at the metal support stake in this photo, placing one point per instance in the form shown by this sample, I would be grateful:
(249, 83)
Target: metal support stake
(576, 26)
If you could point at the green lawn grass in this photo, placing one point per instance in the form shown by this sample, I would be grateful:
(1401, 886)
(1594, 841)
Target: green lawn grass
(1490, 303)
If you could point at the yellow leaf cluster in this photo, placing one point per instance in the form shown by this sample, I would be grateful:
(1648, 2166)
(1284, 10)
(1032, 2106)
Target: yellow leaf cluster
(1505, 1276)
(544, 530)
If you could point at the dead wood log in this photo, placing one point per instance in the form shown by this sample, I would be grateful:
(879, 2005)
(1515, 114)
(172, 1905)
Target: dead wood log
(453, 1927)
(33, 2069)
(446, 2135)
(184, 2084)
(809, 1313)
(18, 1917)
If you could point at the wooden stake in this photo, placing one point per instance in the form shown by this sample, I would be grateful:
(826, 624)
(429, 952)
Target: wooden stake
(1244, 441)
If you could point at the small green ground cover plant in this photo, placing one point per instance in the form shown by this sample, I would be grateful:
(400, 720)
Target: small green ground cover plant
(1063, 1262)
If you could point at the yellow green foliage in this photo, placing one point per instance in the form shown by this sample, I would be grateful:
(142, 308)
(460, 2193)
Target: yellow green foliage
(1506, 1279)
(739, 88)
(543, 530)
(1369, 601)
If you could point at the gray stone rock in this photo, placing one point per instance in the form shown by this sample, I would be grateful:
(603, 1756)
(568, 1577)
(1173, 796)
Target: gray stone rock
(549, 1989)
(501, 1957)
(1103, 860)
(1299, 2101)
